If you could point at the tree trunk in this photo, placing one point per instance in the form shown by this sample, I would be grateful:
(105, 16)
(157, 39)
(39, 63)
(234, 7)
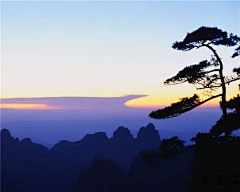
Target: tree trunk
(224, 101)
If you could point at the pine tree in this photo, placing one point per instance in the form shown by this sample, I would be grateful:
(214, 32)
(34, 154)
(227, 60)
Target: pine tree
(207, 75)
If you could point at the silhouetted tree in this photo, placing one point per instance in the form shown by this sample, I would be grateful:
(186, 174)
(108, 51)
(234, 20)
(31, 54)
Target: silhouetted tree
(207, 75)
(232, 119)
(237, 52)
(170, 147)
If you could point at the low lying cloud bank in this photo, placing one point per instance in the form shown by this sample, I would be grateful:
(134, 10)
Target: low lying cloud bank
(87, 103)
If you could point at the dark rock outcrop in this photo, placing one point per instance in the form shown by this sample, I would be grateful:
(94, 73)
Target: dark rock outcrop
(216, 164)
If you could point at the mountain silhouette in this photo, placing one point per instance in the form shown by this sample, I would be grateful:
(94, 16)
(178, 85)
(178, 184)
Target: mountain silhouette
(120, 164)
(143, 137)
(25, 164)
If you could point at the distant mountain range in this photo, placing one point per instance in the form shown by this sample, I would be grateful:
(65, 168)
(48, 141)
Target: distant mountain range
(27, 166)
(49, 127)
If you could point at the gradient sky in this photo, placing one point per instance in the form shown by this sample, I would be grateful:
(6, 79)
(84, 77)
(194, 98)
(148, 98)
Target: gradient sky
(106, 49)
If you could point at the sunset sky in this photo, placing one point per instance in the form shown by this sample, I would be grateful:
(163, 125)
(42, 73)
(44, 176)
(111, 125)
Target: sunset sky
(106, 49)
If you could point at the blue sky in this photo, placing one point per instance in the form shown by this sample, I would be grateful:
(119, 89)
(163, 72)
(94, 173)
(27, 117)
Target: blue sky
(105, 48)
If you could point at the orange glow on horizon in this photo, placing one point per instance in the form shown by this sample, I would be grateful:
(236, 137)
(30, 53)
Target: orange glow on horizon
(162, 106)
(155, 102)
(26, 106)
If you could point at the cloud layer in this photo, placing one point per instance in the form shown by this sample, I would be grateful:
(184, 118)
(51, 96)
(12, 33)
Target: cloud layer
(86, 103)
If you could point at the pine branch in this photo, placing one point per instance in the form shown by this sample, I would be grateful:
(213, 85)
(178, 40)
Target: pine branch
(183, 106)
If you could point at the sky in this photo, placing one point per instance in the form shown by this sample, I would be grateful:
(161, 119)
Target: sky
(106, 49)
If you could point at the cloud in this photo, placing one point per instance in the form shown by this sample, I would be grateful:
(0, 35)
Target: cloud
(73, 103)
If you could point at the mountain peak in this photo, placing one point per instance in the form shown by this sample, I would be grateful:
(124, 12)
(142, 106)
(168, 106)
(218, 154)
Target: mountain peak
(122, 133)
